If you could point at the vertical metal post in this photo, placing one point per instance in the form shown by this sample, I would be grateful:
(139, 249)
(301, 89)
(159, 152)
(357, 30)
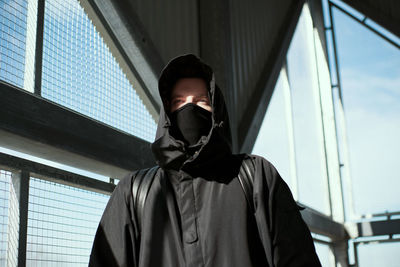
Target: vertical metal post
(340, 112)
(355, 254)
(338, 83)
(20, 182)
(334, 182)
(340, 251)
(39, 47)
(316, 91)
(290, 131)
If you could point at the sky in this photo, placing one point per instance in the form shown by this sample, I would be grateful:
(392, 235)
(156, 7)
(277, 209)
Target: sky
(370, 76)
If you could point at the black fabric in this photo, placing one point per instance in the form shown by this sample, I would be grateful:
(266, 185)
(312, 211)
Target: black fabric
(196, 213)
(190, 122)
(188, 66)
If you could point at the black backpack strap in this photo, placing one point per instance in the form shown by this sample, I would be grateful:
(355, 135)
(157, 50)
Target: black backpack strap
(141, 183)
(246, 179)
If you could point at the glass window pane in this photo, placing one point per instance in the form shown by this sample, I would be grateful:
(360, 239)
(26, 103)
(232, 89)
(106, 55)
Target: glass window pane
(9, 220)
(273, 141)
(369, 69)
(62, 221)
(13, 15)
(379, 254)
(325, 255)
(308, 138)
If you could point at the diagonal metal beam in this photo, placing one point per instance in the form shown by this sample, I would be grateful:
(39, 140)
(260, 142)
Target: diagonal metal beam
(250, 122)
(384, 12)
(36, 126)
(321, 224)
(362, 22)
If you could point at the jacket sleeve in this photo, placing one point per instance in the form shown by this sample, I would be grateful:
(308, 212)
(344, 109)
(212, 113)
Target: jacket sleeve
(285, 236)
(114, 243)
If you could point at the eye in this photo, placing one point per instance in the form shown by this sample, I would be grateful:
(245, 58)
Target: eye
(176, 101)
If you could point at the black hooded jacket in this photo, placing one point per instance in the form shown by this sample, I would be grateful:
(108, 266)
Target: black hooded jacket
(196, 213)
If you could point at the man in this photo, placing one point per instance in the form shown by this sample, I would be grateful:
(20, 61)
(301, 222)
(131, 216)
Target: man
(196, 213)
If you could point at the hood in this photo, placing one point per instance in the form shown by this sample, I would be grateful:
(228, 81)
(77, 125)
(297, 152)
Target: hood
(173, 154)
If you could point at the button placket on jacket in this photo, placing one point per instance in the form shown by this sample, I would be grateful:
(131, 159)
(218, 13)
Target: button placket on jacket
(193, 253)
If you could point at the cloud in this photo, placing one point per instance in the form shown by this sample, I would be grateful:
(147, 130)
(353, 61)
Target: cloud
(372, 109)
(367, 91)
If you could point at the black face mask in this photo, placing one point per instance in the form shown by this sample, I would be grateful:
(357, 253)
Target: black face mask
(190, 122)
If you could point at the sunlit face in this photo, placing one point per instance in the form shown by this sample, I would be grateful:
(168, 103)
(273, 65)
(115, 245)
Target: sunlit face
(189, 90)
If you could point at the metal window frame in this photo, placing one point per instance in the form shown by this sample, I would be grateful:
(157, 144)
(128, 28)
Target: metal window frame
(290, 131)
(36, 126)
(23, 169)
(336, 212)
(39, 48)
(367, 226)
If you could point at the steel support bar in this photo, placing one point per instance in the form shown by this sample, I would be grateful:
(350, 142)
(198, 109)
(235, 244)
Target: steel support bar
(362, 22)
(321, 224)
(340, 119)
(337, 68)
(340, 252)
(36, 126)
(20, 182)
(385, 214)
(251, 120)
(374, 240)
(39, 47)
(384, 12)
(376, 228)
(49, 173)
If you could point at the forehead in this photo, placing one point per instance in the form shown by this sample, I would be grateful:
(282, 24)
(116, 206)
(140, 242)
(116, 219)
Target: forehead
(189, 87)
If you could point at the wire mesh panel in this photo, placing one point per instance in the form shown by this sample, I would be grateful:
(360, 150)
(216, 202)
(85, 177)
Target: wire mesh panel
(80, 72)
(13, 15)
(62, 221)
(9, 221)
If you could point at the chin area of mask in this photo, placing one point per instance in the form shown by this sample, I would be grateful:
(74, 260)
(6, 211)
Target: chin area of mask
(190, 122)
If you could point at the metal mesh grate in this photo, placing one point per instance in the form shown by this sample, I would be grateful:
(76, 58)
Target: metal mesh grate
(80, 72)
(13, 15)
(62, 221)
(9, 221)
